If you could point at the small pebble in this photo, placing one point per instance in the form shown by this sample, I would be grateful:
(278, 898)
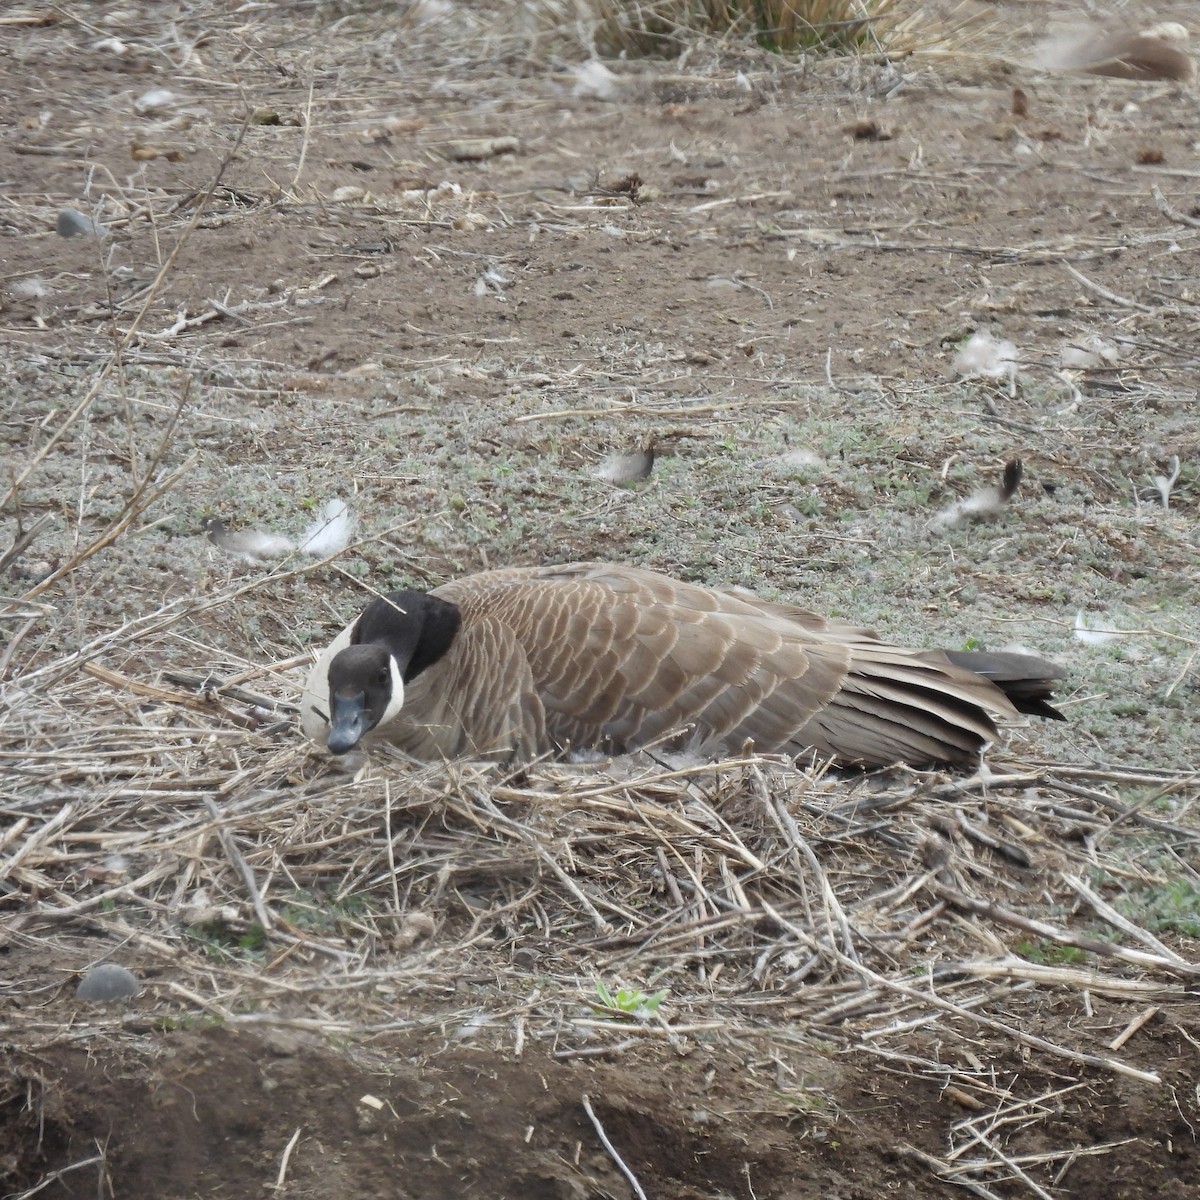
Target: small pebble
(72, 223)
(106, 983)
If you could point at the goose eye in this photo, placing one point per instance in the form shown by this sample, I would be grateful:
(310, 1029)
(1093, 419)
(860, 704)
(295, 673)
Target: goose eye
(384, 677)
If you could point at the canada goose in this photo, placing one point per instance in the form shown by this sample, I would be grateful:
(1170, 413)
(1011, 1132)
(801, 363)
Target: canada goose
(530, 660)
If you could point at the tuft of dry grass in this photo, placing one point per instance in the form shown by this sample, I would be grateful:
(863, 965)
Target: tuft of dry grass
(639, 28)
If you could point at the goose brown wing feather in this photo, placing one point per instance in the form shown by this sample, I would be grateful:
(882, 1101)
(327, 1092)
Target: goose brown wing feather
(618, 656)
(622, 656)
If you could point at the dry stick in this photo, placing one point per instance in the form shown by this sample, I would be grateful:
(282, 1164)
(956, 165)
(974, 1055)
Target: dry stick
(1183, 674)
(1123, 301)
(972, 1002)
(1109, 774)
(1125, 811)
(283, 1162)
(1028, 1039)
(55, 1176)
(1050, 780)
(1175, 965)
(1048, 1156)
(150, 691)
(13, 642)
(1135, 809)
(595, 1051)
(205, 684)
(1133, 1027)
(391, 846)
(24, 541)
(239, 863)
(1114, 918)
(629, 1175)
(976, 1136)
(945, 1171)
(80, 908)
(548, 859)
(137, 504)
(1012, 967)
(1168, 210)
(111, 364)
(1034, 1108)
(834, 913)
(304, 140)
(39, 835)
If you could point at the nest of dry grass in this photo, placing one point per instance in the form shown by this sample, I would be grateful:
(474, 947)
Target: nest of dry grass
(183, 819)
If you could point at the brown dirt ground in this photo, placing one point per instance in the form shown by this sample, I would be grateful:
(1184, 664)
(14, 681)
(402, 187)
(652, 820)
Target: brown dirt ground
(765, 236)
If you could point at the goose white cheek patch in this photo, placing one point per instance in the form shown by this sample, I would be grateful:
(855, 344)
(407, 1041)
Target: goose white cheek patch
(396, 703)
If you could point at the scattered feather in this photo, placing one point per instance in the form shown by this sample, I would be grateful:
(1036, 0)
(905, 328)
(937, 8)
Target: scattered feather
(1156, 54)
(587, 755)
(472, 1027)
(106, 983)
(801, 460)
(199, 909)
(1165, 483)
(492, 282)
(742, 80)
(1168, 31)
(986, 502)
(627, 469)
(595, 79)
(155, 100)
(986, 356)
(28, 291)
(1086, 632)
(72, 223)
(1089, 353)
(112, 45)
(426, 12)
(250, 545)
(331, 532)
(30, 294)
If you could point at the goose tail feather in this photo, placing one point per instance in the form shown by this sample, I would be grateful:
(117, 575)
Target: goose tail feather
(1028, 682)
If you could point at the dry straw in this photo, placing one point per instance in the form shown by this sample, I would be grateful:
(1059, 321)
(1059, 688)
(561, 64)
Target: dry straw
(664, 27)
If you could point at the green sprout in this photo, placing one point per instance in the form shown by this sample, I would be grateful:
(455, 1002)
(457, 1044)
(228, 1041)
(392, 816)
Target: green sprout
(630, 1001)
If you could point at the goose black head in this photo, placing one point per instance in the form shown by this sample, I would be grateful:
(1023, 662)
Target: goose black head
(396, 638)
(364, 685)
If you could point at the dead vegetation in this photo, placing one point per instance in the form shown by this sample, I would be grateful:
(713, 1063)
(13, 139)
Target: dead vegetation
(668, 27)
(1016, 947)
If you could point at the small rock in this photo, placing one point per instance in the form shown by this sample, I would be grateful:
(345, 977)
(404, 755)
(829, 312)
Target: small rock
(106, 983)
(72, 223)
(626, 469)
